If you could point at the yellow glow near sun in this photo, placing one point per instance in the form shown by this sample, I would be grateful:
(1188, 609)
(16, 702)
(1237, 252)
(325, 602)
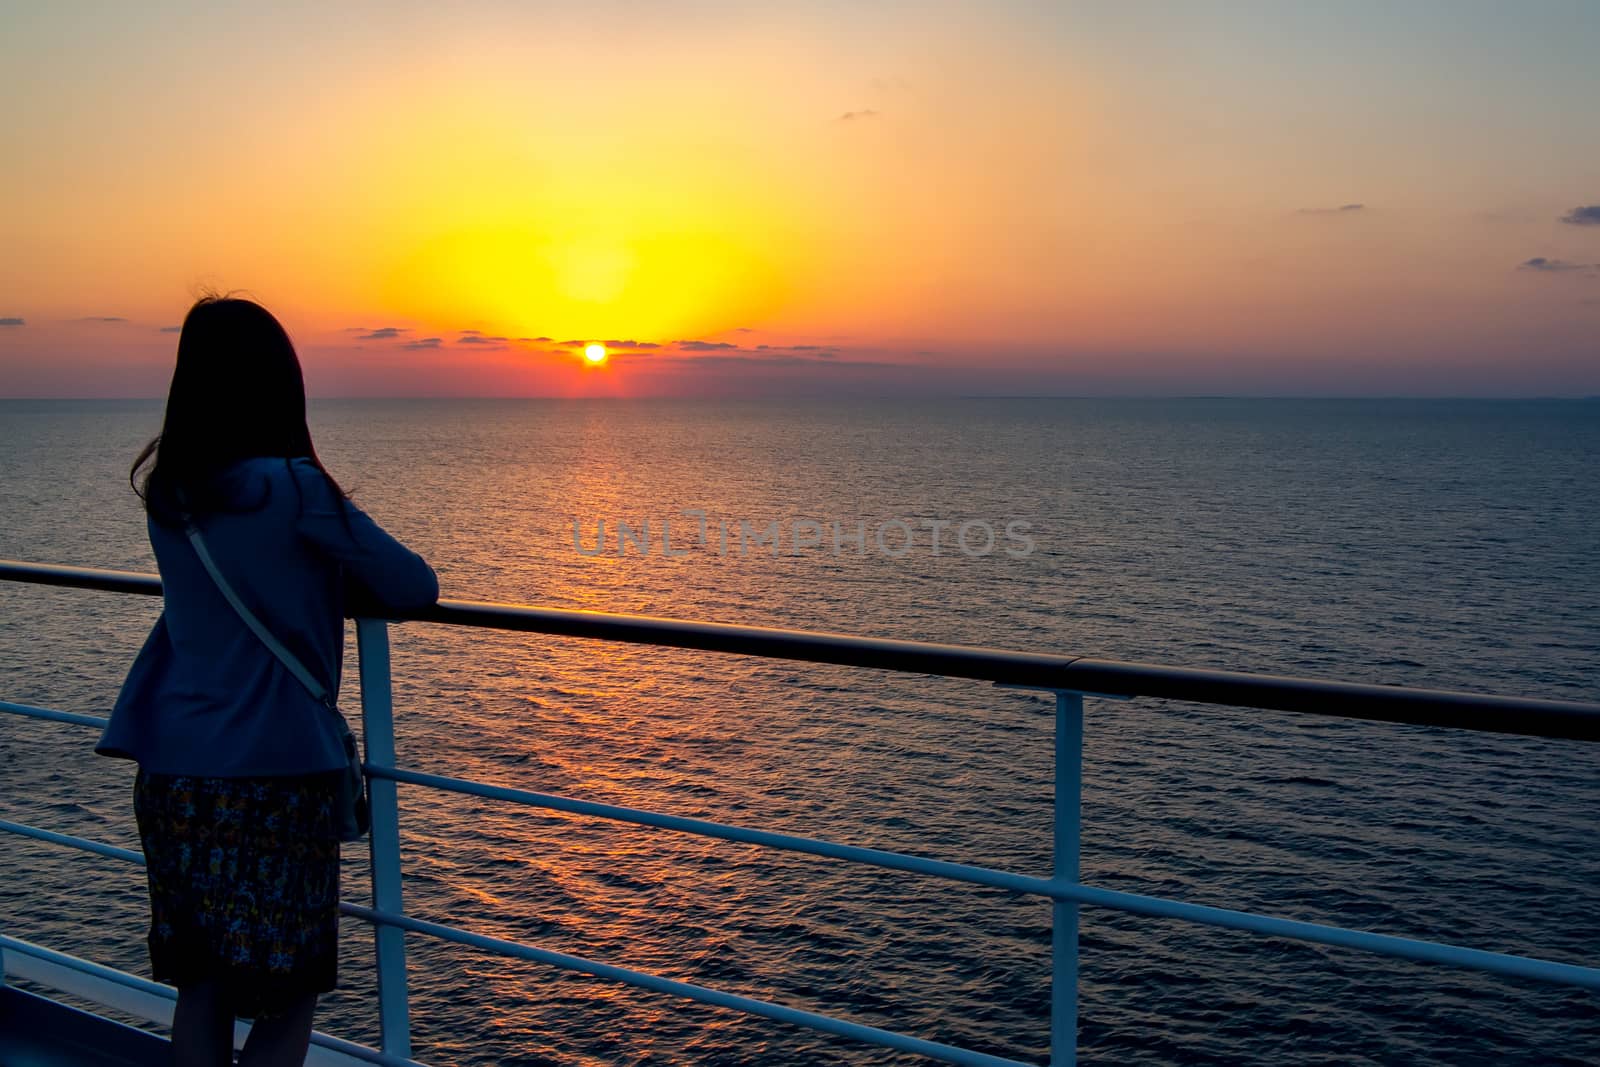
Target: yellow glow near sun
(667, 276)
(595, 354)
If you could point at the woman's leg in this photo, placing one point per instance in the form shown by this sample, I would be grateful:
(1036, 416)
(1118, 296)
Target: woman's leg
(281, 1040)
(202, 1027)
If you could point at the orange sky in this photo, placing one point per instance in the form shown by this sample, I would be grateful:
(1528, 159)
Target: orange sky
(977, 198)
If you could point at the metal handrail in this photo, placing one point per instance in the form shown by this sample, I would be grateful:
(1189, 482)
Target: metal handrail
(1070, 678)
(1527, 716)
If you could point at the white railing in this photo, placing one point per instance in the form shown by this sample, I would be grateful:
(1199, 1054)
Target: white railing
(1069, 678)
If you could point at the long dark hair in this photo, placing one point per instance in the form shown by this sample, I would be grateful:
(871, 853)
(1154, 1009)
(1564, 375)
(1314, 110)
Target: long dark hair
(237, 393)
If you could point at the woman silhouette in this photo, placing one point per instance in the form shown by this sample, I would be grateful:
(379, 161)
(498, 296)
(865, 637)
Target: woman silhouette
(239, 765)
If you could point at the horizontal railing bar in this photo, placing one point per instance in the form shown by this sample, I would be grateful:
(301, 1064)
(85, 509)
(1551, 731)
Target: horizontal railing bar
(54, 838)
(1528, 716)
(51, 714)
(84, 844)
(98, 970)
(166, 992)
(750, 1006)
(1339, 937)
(1572, 720)
(1472, 959)
(872, 857)
(1382, 944)
(107, 581)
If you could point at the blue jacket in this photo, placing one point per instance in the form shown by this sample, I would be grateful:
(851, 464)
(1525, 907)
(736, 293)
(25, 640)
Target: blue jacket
(204, 696)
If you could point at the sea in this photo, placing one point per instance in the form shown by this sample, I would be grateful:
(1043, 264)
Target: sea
(1446, 543)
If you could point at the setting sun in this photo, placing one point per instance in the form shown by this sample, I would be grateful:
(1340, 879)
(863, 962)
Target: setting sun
(595, 354)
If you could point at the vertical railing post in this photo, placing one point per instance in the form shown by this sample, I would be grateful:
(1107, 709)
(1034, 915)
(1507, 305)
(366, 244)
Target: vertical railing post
(1064, 913)
(377, 714)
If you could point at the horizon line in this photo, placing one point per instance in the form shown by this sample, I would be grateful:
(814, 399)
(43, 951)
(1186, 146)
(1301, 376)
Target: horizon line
(876, 396)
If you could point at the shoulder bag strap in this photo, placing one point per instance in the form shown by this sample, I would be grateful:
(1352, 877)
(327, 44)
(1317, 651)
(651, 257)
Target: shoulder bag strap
(287, 658)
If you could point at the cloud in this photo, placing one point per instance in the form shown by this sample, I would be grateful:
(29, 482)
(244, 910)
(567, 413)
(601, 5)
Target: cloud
(473, 337)
(102, 318)
(852, 116)
(1552, 266)
(471, 331)
(12, 321)
(613, 343)
(1342, 209)
(171, 329)
(799, 351)
(721, 360)
(383, 333)
(1588, 215)
(702, 346)
(424, 342)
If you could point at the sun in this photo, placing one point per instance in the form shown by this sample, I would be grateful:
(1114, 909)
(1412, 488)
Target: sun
(595, 354)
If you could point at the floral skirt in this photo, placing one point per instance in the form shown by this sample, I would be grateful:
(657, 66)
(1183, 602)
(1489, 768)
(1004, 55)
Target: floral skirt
(244, 884)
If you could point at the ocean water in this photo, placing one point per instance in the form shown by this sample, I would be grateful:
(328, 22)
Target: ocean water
(1444, 543)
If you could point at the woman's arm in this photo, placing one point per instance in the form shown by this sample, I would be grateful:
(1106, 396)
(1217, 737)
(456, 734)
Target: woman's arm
(382, 571)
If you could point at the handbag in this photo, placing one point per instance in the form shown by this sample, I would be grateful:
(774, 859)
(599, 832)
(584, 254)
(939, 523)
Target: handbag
(352, 808)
